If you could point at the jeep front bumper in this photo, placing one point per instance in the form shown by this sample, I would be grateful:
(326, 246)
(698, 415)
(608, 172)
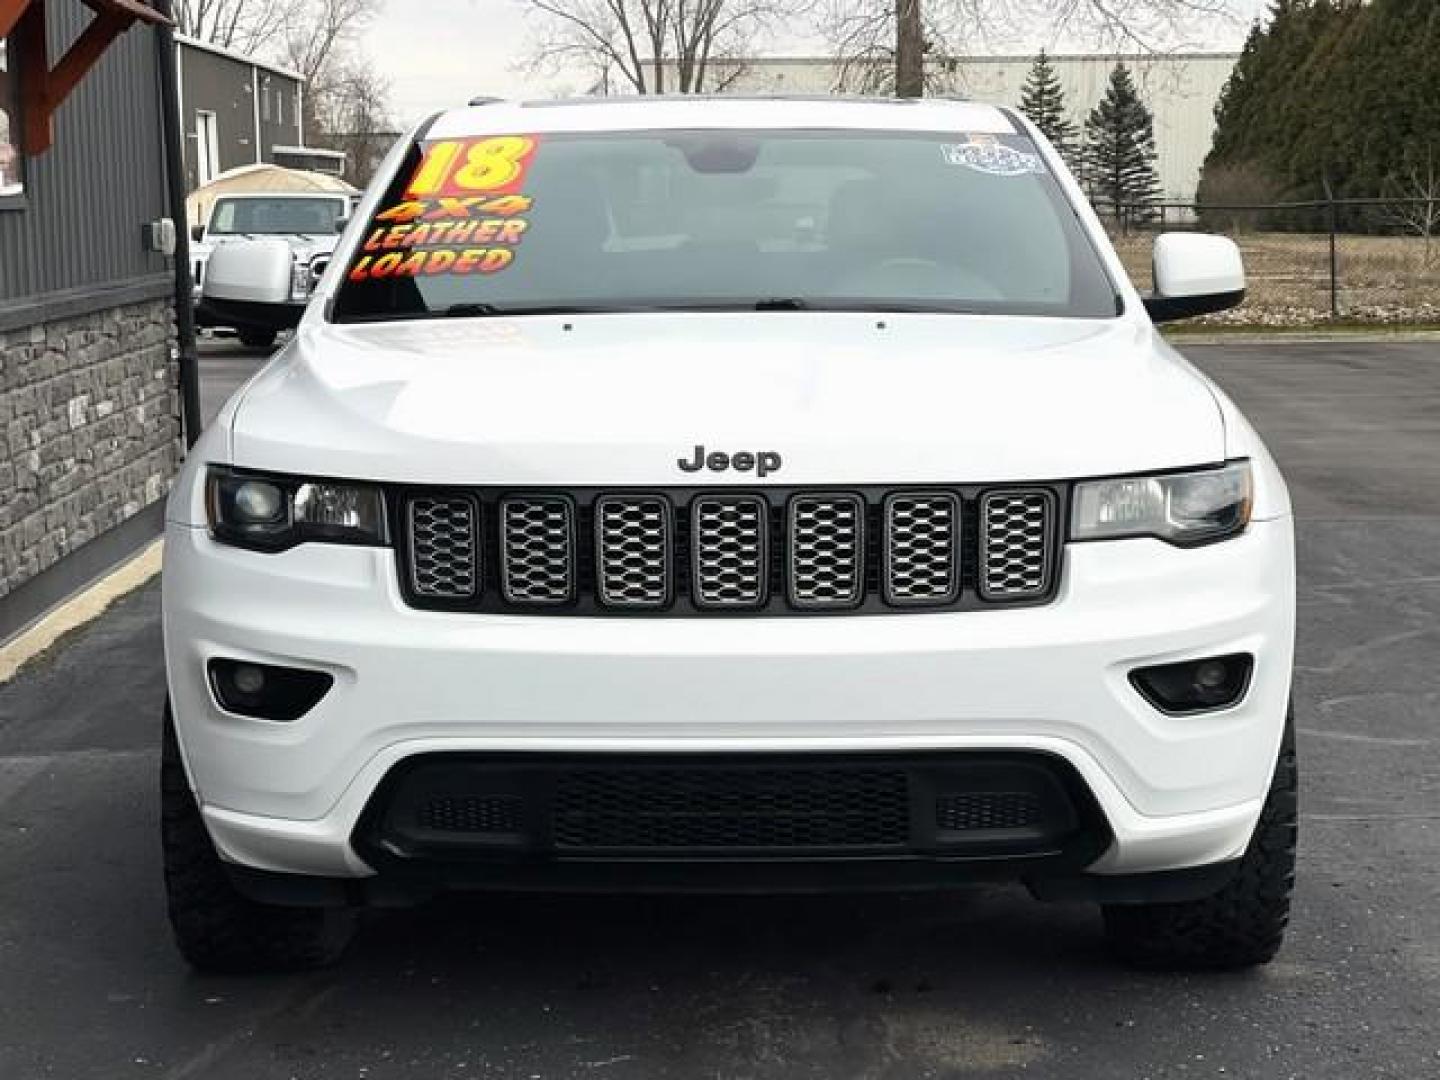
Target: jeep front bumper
(1051, 682)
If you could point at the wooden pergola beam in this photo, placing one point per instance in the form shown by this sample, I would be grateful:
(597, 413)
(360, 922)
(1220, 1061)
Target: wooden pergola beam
(10, 12)
(86, 52)
(43, 89)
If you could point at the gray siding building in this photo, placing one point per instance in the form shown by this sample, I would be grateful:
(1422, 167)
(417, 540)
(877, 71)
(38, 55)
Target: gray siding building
(236, 110)
(90, 433)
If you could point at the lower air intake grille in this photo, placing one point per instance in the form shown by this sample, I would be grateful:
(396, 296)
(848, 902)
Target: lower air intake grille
(732, 808)
(472, 814)
(988, 810)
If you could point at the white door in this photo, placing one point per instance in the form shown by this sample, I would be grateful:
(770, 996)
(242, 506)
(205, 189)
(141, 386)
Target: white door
(207, 146)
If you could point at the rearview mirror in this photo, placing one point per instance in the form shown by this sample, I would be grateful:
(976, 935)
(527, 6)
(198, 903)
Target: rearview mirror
(1195, 274)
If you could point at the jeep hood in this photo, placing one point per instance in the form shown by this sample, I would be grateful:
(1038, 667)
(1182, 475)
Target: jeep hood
(618, 399)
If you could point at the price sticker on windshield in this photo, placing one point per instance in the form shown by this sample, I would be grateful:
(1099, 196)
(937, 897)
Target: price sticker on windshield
(459, 167)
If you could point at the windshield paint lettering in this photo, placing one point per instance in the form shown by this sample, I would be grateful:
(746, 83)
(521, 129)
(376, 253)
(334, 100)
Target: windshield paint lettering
(459, 167)
(461, 213)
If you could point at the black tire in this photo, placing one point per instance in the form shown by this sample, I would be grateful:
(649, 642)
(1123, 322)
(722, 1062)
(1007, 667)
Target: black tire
(217, 928)
(253, 338)
(1244, 923)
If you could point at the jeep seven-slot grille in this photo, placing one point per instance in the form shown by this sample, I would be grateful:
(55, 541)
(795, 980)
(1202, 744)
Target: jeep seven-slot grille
(709, 552)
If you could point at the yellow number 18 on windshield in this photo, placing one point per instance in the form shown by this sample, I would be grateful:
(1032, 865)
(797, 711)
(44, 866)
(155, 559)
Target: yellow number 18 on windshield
(452, 167)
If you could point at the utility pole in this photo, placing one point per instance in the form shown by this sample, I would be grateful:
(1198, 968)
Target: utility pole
(909, 50)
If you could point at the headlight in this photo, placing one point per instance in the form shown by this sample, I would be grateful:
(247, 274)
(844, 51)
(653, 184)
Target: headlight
(1185, 509)
(300, 280)
(272, 513)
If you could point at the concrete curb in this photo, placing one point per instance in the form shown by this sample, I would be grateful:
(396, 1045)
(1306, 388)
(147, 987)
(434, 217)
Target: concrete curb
(80, 609)
(1306, 337)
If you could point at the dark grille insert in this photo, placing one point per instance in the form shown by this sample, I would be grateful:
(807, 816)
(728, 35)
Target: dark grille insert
(472, 814)
(734, 809)
(922, 548)
(444, 547)
(827, 551)
(1015, 544)
(988, 810)
(537, 550)
(632, 551)
(729, 539)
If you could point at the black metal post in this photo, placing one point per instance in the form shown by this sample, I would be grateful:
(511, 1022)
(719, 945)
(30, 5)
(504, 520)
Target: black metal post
(1334, 221)
(190, 413)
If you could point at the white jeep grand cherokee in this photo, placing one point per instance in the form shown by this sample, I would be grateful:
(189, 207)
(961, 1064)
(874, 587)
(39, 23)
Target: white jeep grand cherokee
(732, 495)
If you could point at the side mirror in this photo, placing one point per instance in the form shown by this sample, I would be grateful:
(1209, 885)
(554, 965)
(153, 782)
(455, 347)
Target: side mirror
(250, 272)
(342, 223)
(197, 233)
(1195, 274)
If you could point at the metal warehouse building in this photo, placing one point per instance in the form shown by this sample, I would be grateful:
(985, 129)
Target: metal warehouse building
(90, 429)
(1181, 89)
(236, 110)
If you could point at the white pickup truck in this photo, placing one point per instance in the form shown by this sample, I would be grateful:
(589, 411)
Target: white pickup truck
(307, 223)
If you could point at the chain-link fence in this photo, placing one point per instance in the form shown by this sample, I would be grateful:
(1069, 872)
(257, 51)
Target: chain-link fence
(1342, 260)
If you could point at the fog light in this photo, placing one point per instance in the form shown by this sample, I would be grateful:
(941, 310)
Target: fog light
(266, 692)
(1193, 686)
(249, 680)
(1210, 676)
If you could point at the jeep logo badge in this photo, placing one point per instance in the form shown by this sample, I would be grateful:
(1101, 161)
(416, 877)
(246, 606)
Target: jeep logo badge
(760, 462)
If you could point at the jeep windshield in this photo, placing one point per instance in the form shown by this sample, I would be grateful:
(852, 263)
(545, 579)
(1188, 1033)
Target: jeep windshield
(252, 216)
(724, 220)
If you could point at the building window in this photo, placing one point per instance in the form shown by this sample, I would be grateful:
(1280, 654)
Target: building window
(12, 181)
(207, 146)
(265, 99)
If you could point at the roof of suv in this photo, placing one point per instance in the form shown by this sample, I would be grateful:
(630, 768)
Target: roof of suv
(700, 111)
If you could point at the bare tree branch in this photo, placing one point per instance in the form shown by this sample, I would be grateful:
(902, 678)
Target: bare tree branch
(653, 46)
(1416, 209)
(248, 26)
(863, 33)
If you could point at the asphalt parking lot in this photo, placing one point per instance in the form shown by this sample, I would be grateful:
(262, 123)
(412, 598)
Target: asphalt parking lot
(986, 983)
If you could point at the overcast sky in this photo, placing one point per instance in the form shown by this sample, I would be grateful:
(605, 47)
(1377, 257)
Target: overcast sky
(462, 48)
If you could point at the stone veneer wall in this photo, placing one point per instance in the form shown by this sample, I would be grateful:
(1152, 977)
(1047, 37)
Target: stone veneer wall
(89, 430)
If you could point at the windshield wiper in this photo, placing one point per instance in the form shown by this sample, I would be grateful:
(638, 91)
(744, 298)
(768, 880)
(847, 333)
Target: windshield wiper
(468, 311)
(473, 310)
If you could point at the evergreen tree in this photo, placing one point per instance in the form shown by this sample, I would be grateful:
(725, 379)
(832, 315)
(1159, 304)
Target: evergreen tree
(1043, 101)
(1316, 97)
(1120, 150)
